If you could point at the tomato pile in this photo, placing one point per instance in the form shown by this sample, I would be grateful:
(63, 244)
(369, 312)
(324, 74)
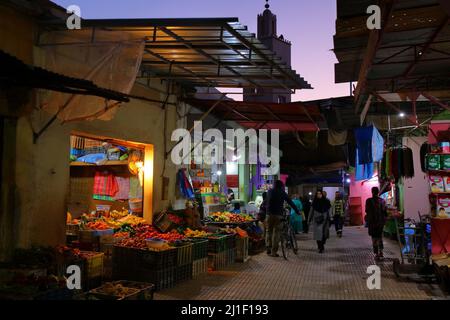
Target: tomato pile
(144, 232)
(97, 225)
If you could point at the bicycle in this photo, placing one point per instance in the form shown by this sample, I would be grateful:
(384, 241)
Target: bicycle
(288, 239)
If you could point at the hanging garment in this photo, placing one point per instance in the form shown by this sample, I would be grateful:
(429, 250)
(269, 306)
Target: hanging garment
(105, 184)
(124, 188)
(400, 162)
(363, 171)
(394, 164)
(382, 171)
(408, 163)
(135, 188)
(337, 138)
(424, 149)
(388, 163)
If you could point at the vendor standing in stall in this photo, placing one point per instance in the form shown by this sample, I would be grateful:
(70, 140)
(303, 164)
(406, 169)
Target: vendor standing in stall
(276, 198)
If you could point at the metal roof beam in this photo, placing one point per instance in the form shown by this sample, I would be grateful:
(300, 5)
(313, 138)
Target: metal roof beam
(257, 51)
(421, 53)
(179, 67)
(206, 55)
(249, 58)
(173, 22)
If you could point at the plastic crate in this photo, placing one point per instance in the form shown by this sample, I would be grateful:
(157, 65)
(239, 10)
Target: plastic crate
(98, 293)
(199, 248)
(242, 249)
(218, 261)
(199, 267)
(152, 260)
(183, 273)
(231, 256)
(217, 244)
(94, 264)
(184, 254)
(146, 290)
(161, 279)
(230, 241)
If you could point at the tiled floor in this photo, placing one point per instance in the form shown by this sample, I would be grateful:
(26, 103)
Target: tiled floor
(339, 273)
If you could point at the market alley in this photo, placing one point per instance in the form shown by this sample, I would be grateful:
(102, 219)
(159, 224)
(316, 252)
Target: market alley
(339, 274)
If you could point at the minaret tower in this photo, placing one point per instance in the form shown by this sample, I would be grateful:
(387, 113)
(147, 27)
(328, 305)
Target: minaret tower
(267, 34)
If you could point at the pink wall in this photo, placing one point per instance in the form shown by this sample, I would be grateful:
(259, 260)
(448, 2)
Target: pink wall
(362, 189)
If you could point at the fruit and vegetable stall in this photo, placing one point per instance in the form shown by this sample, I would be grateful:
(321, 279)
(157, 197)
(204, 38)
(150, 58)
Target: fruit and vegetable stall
(121, 257)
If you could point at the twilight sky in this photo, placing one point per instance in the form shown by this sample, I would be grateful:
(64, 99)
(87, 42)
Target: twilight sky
(309, 25)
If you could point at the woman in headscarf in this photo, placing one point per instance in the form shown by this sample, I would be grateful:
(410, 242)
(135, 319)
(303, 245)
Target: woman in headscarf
(319, 219)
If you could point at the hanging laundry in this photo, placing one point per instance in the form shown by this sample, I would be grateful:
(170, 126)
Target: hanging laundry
(424, 150)
(370, 144)
(124, 188)
(135, 188)
(408, 163)
(363, 171)
(105, 184)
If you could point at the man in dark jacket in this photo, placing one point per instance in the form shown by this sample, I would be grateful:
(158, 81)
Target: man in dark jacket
(376, 218)
(306, 208)
(276, 198)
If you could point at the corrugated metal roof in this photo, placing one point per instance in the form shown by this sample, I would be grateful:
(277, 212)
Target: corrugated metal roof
(399, 62)
(204, 52)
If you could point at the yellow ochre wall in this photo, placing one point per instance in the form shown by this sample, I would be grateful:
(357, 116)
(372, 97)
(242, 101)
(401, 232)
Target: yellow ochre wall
(34, 202)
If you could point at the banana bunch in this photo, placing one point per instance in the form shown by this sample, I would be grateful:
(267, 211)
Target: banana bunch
(132, 220)
(195, 233)
(118, 214)
(113, 223)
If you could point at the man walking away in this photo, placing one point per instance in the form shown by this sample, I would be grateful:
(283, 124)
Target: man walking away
(376, 218)
(276, 198)
(338, 213)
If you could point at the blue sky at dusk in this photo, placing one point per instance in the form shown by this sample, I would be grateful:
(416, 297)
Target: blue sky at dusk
(309, 25)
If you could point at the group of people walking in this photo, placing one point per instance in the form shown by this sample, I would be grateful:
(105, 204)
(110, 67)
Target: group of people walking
(319, 215)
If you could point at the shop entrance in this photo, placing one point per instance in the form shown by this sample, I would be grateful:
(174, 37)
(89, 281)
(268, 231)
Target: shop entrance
(110, 175)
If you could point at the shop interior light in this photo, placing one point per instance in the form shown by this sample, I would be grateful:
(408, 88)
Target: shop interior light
(236, 158)
(401, 114)
(219, 173)
(348, 180)
(310, 193)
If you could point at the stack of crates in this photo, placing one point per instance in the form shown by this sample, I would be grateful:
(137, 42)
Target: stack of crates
(242, 245)
(184, 263)
(221, 251)
(93, 273)
(156, 267)
(199, 257)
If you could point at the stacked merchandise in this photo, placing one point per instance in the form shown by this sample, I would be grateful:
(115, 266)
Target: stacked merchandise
(199, 239)
(438, 166)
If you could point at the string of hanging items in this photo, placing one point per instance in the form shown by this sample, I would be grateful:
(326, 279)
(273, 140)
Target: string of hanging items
(397, 163)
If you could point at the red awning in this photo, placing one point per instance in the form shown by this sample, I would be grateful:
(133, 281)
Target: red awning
(294, 116)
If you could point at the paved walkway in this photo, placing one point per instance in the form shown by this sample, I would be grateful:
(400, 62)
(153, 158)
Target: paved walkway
(339, 273)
